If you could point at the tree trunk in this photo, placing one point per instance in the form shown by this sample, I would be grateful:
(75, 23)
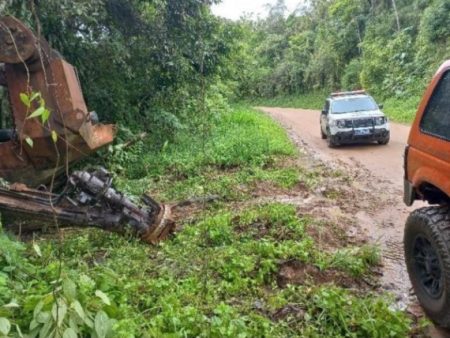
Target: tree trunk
(394, 5)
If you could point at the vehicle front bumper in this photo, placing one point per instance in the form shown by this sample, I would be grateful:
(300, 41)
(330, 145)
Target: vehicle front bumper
(351, 136)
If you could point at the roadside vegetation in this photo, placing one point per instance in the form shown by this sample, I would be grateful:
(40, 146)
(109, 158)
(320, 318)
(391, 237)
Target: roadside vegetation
(243, 262)
(239, 266)
(389, 48)
(398, 110)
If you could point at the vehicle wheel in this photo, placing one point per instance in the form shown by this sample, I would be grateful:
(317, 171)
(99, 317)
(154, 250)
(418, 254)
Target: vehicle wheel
(385, 140)
(427, 254)
(322, 134)
(331, 143)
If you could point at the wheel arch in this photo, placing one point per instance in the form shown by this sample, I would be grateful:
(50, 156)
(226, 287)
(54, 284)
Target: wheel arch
(432, 186)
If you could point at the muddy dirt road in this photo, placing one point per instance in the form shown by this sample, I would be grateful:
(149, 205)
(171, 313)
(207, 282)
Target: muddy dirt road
(385, 162)
(382, 177)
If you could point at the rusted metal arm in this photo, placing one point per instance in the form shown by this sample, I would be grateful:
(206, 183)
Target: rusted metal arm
(32, 67)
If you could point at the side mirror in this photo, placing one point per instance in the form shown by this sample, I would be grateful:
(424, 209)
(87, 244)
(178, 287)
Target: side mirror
(381, 106)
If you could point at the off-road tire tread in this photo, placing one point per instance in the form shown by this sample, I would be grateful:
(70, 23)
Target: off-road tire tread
(437, 218)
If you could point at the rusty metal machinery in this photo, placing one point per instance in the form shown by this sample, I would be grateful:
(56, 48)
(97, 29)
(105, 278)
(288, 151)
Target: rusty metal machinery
(88, 199)
(32, 66)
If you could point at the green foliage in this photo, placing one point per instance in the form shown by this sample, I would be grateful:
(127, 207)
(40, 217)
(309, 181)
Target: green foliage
(239, 138)
(436, 22)
(217, 277)
(144, 65)
(351, 78)
(357, 260)
(204, 282)
(169, 67)
(312, 100)
(337, 314)
(348, 44)
(402, 110)
(244, 141)
(36, 302)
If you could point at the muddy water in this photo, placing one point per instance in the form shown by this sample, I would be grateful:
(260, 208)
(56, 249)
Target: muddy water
(382, 178)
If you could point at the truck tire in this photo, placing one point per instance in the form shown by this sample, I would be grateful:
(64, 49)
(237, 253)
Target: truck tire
(385, 140)
(427, 254)
(330, 142)
(322, 134)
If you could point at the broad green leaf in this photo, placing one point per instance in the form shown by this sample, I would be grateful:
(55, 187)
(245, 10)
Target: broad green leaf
(45, 115)
(69, 289)
(37, 249)
(5, 326)
(35, 96)
(69, 333)
(25, 100)
(79, 310)
(38, 308)
(29, 141)
(54, 136)
(19, 331)
(103, 297)
(33, 324)
(59, 311)
(101, 324)
(43, 317)
(73, 322)
(11, 305)
(38, 112)
(45, 330)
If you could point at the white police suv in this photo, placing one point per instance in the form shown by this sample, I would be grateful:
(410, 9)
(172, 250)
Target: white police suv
(353, 117)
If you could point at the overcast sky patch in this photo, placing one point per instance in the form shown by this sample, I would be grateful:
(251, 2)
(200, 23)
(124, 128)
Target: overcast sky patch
(234, 9)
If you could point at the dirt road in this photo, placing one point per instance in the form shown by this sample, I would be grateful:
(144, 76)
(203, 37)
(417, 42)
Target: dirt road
(384, 165)
(383, 181)
(385, 162)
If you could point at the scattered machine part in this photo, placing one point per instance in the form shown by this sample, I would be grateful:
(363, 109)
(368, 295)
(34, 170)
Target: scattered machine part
(88, 199)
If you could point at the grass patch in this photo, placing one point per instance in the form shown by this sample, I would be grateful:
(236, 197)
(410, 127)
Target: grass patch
(215, 278)
(313, 100)
(219, 275)
(240, 150)
(242, 138)
(401, 110)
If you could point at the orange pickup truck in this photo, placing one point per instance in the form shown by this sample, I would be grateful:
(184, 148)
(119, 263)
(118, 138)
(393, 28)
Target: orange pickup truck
(427, 177)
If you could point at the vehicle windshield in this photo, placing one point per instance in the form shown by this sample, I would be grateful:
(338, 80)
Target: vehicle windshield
(353, 105)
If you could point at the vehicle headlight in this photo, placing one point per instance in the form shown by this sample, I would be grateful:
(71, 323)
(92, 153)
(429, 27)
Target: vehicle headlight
(342, 124)
(380, 120)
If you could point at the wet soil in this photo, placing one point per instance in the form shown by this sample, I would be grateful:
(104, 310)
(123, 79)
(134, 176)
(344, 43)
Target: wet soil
(298, 273)
(369, 203)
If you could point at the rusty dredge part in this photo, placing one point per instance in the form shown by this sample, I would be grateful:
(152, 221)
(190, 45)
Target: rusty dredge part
(88, 197)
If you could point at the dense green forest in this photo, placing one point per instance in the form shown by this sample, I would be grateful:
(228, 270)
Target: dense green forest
(185, 76)
(159, 63)
(389, 47)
